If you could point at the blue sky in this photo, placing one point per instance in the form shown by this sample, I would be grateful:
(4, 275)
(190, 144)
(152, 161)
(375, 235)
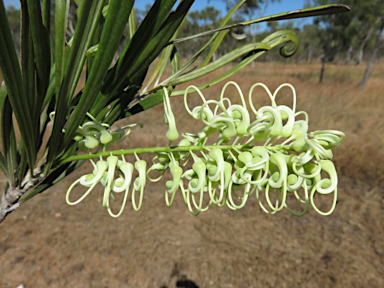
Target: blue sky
(273, 8)
(283, 6)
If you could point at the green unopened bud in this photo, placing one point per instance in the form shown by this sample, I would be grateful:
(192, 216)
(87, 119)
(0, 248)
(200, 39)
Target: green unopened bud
(169, 185)
(119, 182)
(326, 183)
(300, 145)
(245, 157)
(275, 176)
(157, 167)
(284, 115)
(78, 137)
(236, 114)
(292, 179)
(300, 128)
(91, 142)
(212, 169)
(194, 183)
(172, 134)
(105, 137)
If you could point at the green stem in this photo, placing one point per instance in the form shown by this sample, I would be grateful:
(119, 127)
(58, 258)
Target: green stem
(166, 149)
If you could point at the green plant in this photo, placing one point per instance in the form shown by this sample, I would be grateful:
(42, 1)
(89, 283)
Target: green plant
(41, 90)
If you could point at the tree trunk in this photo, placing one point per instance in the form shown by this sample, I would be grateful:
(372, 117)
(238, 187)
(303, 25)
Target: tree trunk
(322, 68)
(373, 56)
(310, 53)
(362, 45)
(349, 54)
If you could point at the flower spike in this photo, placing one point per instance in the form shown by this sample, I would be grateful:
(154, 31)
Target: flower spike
(278, 156)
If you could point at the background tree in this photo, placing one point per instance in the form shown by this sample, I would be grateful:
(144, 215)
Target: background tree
(374, 53)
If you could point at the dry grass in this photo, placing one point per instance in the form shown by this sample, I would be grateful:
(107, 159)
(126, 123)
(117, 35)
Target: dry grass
(47, 243)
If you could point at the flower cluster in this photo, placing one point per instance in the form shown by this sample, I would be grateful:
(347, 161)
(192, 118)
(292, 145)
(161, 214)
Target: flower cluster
(104, 172)
(269, 153)
(93, 135)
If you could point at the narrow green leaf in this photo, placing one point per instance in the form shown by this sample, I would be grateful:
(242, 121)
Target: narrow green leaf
(10, 69)
(163, 62)
(220, 37)
(149, 53)
(145, 104)
(79, 2)
(225, 59)
(47, 14)
(90, 12)
(3, 166)
(175, 60)
(144, 35)
(23, 163)
(202, 49)
(187, 65)
(42, 51)
(51, 88)
(273, 40)
(118, 108)
(91, 52)
(157, 69)
(307, 12)
(27, 57)
(3, 96)
(61, 20)
(224, 76)
(167, 52)
(132, 23)
(117, 79)
(114, 25)
(8, 139)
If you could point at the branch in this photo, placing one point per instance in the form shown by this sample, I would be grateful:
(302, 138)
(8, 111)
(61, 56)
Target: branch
(9, 202)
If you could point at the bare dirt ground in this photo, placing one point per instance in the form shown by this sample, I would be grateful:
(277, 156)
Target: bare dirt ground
(46, 243)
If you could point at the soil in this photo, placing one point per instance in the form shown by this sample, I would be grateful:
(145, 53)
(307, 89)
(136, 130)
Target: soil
(50, 244)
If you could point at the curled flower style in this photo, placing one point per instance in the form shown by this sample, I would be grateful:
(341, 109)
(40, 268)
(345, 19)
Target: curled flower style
(273, 156)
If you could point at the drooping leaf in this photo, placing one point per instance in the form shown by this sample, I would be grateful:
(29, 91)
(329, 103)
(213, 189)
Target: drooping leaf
(300, 13)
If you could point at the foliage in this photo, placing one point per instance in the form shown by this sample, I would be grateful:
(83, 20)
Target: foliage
(41, 90)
